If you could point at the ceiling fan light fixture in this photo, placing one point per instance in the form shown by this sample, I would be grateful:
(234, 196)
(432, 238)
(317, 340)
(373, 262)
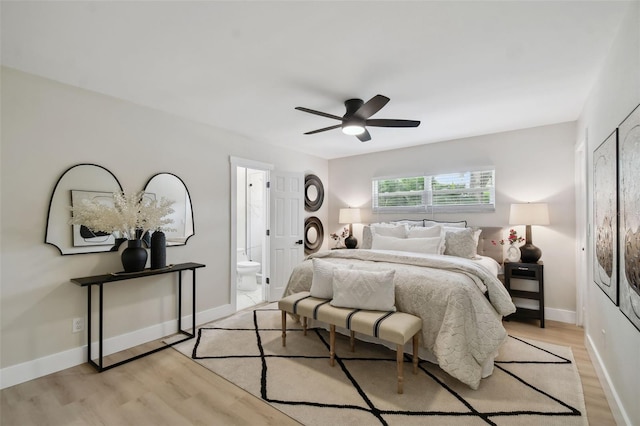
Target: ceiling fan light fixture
(353, 129)
(357, 118)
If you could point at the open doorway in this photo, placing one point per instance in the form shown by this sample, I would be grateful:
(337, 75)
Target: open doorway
(250, 219)
(251, 235)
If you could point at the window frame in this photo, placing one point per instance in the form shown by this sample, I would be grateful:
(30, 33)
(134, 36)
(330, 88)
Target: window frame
(428, 194)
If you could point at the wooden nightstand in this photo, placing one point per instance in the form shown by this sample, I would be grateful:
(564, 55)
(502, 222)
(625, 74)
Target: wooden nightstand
(529, 272)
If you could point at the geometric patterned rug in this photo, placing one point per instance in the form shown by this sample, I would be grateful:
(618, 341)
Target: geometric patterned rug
(533, 383)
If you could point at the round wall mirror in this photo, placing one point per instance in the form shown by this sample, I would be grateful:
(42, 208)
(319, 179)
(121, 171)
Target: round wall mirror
(313, 193)
(172, 188)
(313, 234)
(79, 182)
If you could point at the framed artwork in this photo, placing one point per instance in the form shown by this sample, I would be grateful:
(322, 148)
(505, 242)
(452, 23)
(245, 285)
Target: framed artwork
(605, 216)
(83, 236)
(629, 230)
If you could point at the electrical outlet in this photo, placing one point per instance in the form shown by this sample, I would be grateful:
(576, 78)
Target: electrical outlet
(77, 325)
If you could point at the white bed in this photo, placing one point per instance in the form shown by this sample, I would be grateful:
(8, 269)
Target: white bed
(460, 299)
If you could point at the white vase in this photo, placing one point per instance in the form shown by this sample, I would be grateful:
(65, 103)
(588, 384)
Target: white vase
(513, 254)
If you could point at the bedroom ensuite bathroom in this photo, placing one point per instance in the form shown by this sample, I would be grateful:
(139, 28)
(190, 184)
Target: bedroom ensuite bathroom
(251, 234)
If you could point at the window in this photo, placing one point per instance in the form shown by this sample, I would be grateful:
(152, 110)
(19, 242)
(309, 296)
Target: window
(445, 193)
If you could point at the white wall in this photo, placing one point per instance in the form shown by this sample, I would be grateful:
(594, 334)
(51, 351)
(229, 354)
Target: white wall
(48, 127)
(531, 165)
(614, 341)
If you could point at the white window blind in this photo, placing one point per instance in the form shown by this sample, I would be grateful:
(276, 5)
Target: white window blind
(447, 193)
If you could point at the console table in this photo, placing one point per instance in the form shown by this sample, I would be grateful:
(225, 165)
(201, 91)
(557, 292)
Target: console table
(101, 280)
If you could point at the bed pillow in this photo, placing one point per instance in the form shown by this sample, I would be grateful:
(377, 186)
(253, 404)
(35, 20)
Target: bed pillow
(409, 222)
(360, 289)
(389, 230)
(462, 243)
(322, 281)
(461, 224)
(421, 232)
(431, 245)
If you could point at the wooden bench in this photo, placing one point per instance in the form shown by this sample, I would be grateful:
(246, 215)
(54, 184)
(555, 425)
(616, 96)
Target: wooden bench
(394, 327)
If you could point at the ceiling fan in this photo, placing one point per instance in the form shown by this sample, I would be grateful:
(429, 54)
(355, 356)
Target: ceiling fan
(355, 120)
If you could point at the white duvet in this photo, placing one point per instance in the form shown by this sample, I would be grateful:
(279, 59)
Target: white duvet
(461, 303)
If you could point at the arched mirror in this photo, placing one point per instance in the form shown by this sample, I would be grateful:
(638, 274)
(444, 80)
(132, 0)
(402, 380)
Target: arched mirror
(172, 188)
(79, 182)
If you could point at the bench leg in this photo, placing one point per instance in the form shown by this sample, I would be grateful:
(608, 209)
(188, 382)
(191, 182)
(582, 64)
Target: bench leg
(400, 356)
(415, 352)
(304, 325)
(332, 344)
(352, 341)
(284, 328)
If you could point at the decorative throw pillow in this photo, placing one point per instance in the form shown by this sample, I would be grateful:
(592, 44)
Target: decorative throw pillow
(463, 243)
(421, 232)
(364, 290)
(431, 245)
(322, 281)
(366, 237)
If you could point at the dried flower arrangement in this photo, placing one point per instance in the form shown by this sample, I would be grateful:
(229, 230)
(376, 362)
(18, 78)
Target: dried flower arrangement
(130, 216)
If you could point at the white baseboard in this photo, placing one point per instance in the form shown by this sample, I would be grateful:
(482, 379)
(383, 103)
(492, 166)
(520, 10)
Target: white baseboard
(560, 315)
(30, 370)
(20, 373)
(617, 409)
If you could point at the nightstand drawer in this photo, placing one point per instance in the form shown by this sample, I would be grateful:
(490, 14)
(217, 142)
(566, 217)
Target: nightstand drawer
(523, 273)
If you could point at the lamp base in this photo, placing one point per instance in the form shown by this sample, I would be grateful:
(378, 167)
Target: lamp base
(350, 242)
(530, 253)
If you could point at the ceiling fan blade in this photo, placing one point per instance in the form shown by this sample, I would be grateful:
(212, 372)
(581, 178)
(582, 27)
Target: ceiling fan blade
(372, 106)
(337, 126)
(392, 123)
(364, 136)
(323, 114)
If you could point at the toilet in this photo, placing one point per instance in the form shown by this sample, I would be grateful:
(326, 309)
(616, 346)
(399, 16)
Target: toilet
(246, 272)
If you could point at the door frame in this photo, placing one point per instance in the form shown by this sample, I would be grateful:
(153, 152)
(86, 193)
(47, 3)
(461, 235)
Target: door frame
(236, 162)
(583, 233)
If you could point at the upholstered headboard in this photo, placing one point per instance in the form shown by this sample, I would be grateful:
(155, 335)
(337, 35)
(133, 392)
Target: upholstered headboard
(485, 246)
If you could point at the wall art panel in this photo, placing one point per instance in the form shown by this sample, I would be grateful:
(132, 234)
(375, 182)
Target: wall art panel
(605, 215)
(629, 196)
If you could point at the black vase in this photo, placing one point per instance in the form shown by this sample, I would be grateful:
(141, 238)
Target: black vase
(134, 257)
(350, 242)
(158, 250)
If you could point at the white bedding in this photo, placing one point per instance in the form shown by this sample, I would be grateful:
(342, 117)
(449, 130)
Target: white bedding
(488, 262)
(460, 301)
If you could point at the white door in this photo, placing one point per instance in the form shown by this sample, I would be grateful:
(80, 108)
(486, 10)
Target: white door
(286, 229)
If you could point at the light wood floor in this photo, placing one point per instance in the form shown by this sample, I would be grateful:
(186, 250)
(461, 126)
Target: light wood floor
(168, 388)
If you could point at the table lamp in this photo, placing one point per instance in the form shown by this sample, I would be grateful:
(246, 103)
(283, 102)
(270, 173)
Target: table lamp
(349, 216)
(529, 214)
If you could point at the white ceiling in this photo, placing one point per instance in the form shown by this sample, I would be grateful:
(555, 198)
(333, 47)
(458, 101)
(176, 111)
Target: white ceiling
(462, 68)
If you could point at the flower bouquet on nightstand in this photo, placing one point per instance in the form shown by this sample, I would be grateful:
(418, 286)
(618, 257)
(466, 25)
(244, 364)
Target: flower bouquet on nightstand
(338, 238)
(513, 251)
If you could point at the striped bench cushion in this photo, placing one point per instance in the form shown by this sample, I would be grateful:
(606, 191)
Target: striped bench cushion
(394, 327)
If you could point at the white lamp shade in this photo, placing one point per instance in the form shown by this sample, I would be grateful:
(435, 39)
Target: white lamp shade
(349, 216)
(529, 214)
